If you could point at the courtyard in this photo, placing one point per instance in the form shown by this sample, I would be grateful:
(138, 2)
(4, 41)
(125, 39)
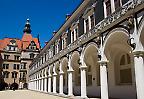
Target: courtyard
(26, 94)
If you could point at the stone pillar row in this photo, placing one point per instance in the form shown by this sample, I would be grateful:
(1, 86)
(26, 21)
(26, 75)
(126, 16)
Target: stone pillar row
(48, 84)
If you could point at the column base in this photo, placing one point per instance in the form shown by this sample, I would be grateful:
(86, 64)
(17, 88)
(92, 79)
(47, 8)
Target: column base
(71, 95)
(84, 97)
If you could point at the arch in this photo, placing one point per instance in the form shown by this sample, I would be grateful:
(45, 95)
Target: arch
(14, 86)
(64, 63)
(116, 48)
(141, 31)
(90, 58)
(85, 48)
(57, 70)
(75, 57)
(112, 34)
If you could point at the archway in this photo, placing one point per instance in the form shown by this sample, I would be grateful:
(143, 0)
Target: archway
(57, 76)
(65, 78)
(141, 31)
(14, 86)
(51, 73)
(93, 70)
(25, 85)
(120, 65)
(76, 74)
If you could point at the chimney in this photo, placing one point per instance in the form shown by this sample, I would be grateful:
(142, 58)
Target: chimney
(46, 42)
(67, 16)
(54, 32)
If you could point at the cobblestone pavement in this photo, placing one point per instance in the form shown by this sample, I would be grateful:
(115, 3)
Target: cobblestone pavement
(26, 94)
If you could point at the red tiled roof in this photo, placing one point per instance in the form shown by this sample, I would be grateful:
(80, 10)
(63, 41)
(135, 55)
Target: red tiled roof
(6, 41)
(22, 44)
(27, 37)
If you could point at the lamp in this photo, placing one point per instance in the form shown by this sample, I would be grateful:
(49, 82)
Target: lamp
(79, 62)
(99, 56)
(131, 43)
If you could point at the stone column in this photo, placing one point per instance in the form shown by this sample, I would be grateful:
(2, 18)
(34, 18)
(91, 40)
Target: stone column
(89, 20)
(84, 26)
(83, 82)
(61, 83)
(139, 73)
(105, 11)
(112, 5)
(103, 79)
(54, 83)
(29, 86)
(49, 83)
(41, 84)
(70, 83)
(45, 86)
(36, 85)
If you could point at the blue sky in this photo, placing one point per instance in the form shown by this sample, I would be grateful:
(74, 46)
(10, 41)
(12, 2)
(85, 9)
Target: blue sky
(45, 16)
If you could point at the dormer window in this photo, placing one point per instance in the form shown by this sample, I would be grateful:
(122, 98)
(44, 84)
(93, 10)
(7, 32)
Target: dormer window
(12, 42)
(32, 46)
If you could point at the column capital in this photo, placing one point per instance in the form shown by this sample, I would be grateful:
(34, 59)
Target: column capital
(103, 62)
(54, 74)
(138, 53)
(61, 73)
(49, 76)
(83, 67)
(70, 70)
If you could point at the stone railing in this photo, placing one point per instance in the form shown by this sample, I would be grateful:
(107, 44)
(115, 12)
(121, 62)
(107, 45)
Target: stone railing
(94, 32)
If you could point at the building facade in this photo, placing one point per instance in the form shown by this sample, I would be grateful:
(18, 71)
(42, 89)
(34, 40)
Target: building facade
(17, 55)
(97, 52)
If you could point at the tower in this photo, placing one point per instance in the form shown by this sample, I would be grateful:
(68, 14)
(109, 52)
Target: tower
(27, 27)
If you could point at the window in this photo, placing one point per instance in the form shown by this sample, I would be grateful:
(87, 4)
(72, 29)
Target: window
(108, 7)
(17, 57)
(124, 1)
(5, 66)
(14, 48)
(87, 25)
(76, 32)
(32, 46)
(45, 56)
(18, 66)
(6, 74)
(9, 47)
(24, 66)
(72, 36)
(117, 4)
(14, 67)
(92, 21)
(42, 60)
(32, 55)
(125, 75)
(14, 74)
(6, 56)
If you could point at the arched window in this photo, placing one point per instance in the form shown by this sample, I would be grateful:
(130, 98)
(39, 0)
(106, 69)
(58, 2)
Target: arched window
(125, 75)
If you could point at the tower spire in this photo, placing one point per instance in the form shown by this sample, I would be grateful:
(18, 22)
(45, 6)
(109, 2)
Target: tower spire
(27, 27)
